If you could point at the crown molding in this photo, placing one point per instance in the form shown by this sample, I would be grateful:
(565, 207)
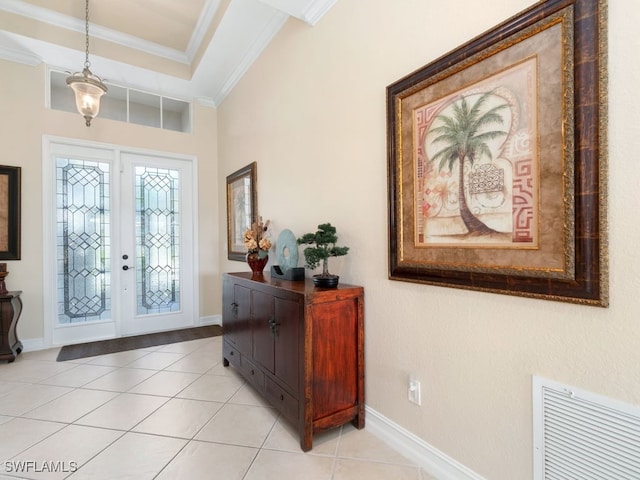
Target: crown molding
(206, 102)
(316, 11)
(19, 56)
(259, 43)
(74, 24)
(309, 11)
(204, 21)
(244, 31)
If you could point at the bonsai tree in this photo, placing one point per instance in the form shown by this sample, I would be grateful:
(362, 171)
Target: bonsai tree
(324, 246)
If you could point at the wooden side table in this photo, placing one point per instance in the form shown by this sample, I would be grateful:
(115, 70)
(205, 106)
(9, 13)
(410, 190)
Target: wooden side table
(10, 309)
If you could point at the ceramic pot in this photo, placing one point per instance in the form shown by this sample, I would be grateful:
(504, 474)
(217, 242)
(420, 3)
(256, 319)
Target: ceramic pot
(330, 281)
(256, 263)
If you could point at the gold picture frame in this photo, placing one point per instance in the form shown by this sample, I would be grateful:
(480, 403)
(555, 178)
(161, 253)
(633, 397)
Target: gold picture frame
(497, 160)
(10, 180)
(242, 208)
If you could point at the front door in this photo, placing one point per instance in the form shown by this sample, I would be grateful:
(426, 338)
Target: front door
(157, 276)
(124, 243)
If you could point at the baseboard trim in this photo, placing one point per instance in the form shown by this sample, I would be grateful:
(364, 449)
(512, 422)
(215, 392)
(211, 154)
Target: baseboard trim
(417, 450)
(211, 320)
(33, 344)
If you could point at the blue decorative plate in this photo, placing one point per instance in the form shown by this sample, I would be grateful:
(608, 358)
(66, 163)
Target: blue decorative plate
(287, 250)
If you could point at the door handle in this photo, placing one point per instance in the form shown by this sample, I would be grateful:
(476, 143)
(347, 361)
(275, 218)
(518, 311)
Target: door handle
(126, 267)
(273, 326)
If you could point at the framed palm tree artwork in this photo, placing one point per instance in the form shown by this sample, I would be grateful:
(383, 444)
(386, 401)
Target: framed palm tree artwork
(497, 160)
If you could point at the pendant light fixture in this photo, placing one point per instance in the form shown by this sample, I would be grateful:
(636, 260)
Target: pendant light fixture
(87, 87)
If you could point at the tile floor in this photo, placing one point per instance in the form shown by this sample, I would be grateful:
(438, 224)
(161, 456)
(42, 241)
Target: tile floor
(167, 412)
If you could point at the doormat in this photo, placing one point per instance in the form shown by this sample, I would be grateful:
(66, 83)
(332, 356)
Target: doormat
(102, 347)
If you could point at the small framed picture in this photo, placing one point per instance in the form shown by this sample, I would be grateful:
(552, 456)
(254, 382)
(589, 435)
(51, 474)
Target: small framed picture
(242, 206)
(10, 213)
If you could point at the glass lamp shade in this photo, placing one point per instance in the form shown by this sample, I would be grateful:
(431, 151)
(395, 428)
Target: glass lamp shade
(88, 89)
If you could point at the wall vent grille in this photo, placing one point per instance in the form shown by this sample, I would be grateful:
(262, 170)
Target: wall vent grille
(579, 435)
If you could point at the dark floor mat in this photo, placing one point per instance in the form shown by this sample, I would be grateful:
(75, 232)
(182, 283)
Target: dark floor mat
(91, 349)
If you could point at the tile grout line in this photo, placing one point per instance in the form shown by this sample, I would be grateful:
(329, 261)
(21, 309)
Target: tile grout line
(130, 430)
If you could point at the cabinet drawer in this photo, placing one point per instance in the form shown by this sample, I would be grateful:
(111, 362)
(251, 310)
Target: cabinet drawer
(252, 373)
(283, 401)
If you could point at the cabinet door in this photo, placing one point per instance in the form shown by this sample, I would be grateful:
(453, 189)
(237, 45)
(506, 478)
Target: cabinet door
(335, 356)
(288, 315)
(263, 328)
(236, 316)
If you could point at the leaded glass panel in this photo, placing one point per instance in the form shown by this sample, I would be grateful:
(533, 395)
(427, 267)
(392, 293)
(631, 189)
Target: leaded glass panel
(157, 240)
(83, 241)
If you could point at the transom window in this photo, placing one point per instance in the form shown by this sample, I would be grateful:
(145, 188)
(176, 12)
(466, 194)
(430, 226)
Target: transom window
(126, 105)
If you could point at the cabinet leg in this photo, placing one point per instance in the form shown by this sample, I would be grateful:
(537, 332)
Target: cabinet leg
(225, 362)
(8, 354)
(358, 420)
(306, 441)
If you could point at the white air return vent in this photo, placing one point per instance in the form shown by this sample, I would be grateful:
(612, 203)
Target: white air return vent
(579, 435)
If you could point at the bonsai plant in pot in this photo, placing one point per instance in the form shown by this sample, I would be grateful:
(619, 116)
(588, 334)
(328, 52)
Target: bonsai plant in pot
(322, 247)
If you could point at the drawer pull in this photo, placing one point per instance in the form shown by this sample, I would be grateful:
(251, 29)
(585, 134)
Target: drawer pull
(282, 397)
(231, 353)
(253, 372)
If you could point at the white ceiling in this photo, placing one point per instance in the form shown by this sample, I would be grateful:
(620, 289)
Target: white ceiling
(189, 49)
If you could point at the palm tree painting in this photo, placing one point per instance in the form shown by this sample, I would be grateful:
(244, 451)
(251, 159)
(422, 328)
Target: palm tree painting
(462, 136)
(476, 163)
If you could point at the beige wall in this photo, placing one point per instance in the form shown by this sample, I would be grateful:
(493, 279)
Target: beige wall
(23, 122)
(311, 112)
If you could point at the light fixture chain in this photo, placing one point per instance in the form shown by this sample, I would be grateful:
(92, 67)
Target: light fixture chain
(87, 87)
(87, 63)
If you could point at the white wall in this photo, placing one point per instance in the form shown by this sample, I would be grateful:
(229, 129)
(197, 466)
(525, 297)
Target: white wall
(311, 112)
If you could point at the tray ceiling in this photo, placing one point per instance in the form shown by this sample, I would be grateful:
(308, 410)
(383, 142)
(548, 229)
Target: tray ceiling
(195, 49)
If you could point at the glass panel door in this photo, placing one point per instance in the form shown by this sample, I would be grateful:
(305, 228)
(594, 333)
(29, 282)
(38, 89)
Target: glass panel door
(157, 240)
(83, 241)
(157, 275)
(123, 244)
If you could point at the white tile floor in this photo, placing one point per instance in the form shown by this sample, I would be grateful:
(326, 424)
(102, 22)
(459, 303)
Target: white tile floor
(168, 412)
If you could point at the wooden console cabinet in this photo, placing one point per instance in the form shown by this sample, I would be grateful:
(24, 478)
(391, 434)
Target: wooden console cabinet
(10, 309)
(301, 346)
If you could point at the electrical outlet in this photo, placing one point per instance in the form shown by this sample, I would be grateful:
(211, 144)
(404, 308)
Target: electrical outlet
(414, 391)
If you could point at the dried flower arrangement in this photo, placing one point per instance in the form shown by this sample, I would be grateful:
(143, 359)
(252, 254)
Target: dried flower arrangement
(256, 238)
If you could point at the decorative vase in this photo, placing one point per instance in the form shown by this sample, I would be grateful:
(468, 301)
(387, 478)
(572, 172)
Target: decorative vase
(256, 263)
